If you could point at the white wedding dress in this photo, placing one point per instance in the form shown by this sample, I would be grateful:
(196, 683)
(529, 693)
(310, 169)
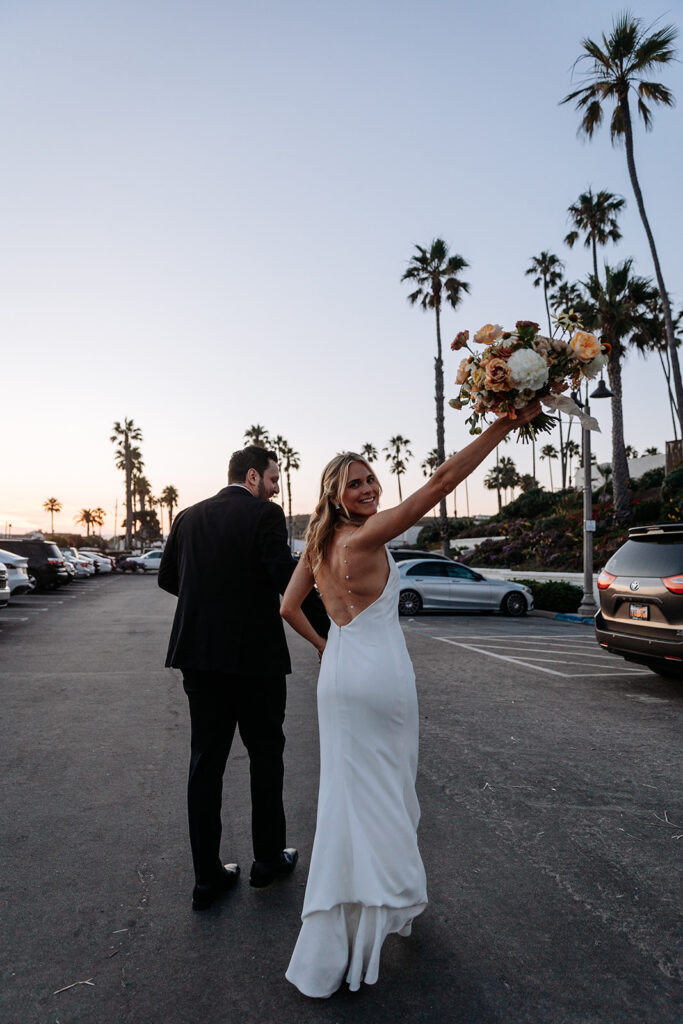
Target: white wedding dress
(366, 878)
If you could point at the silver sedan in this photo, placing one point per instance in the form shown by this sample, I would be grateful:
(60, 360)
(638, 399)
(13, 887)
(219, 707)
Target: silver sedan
(450, 586)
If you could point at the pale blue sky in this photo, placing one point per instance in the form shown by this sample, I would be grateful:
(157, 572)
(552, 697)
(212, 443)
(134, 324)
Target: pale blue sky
(207, 207)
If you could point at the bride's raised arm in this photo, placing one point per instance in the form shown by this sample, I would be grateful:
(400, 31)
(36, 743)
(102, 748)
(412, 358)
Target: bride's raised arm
(384, 526)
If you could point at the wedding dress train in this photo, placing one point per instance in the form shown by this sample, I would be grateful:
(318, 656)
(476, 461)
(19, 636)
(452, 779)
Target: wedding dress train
(366, 878)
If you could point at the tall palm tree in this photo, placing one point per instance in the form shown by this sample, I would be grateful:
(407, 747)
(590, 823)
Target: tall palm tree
(429, 464)
(509, 477)
(565, 297)
(279, 446)
(549, 452)
(651, 337)
(595, 217)
(52, 505)
(493, 482)
(436, 274)
(97, 516)
(369, 452)
(169, 498)
(397, 455)
(142, 490)
(573, 451)
(291, 462)
(617, 310)
(85, 516)
(618, 66)
(124, 435)
(258, 435)
(546, 269)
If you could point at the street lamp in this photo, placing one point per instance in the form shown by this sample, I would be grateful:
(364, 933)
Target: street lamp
(588, 607)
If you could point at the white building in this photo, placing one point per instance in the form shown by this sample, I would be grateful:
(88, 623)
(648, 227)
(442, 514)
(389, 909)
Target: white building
(636, 469)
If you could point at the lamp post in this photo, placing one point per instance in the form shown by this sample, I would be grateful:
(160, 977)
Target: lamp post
(588, 607)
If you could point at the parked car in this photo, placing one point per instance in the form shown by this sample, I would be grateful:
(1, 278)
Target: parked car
(82, 568)
(45, 561)
(432, 584)
(403, 554)
(5, 592)
(17, 572)
(641, 599)
(102, 562)
(150, 560)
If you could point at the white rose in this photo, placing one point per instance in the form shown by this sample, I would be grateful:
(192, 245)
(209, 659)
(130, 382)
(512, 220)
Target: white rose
(593, 368)
(528, 369)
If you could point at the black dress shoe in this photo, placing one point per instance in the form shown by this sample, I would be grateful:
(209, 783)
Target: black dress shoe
(204, 895)
(263, 872)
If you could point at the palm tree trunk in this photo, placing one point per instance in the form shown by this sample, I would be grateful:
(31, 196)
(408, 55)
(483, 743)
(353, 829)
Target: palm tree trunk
(550, 467)
(400, 496)
(129, 493)
(290, 531)
(671, 340)
(533, 459)
(440, 434)
(621, 490)
(594, 246)
(563, 454)
(667, 376)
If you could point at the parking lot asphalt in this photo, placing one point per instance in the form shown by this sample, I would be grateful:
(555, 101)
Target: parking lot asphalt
(552, 831)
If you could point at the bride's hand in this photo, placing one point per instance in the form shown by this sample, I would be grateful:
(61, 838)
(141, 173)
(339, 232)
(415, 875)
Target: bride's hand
(526, 415)
(321, 649)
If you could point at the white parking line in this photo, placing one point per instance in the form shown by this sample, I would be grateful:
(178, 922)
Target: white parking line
(539, 668)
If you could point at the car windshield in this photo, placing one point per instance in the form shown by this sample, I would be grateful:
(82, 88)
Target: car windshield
(648, 556)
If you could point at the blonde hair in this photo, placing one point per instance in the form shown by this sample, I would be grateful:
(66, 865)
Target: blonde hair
(326, 518)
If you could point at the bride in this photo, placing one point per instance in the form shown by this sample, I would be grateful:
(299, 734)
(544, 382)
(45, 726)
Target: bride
(366, 878)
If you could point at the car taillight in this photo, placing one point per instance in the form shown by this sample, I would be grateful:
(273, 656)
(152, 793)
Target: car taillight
(55, 561)
(673, 583)
(605, 579)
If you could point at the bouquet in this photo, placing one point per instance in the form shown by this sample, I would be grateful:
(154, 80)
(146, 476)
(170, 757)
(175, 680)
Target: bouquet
(515, 367)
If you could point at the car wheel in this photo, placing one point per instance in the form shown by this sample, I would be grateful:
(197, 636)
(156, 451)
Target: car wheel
(514, 604)
(32, 583)
(409, 602)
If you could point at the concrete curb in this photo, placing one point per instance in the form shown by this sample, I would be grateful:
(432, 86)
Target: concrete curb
(563, 616)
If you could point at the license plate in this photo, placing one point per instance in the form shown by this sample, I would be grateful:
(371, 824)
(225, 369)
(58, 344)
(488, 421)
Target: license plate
(639, 611)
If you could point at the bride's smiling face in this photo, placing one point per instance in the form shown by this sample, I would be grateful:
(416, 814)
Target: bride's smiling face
(362, 491)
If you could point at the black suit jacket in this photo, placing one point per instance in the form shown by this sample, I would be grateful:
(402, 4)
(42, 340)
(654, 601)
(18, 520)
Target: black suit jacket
(227, 559)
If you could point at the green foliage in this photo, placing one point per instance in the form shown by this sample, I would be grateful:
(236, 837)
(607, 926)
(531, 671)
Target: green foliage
(653, 478)
(554, 595)
(535, 502)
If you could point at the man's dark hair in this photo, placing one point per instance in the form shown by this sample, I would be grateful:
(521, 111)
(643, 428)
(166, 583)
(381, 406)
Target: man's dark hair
(251, 457)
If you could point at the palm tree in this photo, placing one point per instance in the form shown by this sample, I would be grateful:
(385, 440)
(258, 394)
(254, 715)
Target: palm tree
(436, 273)
(279, 446)
(654, 450)
(565, 297)
(549, 452)
(595, 216)
(258, 435)
(429, 464)
(291, 462)
(631, 453)
(618, 310)
(52, 505)
(651, 337)
(85, 516)
(97, 516)
(398, 453)
(142, 490)
(620, 65)
(369, 452)
(123, 437)
(546, 269)
(169, 498)
(493, 482)
(573, 451)
(509, 477)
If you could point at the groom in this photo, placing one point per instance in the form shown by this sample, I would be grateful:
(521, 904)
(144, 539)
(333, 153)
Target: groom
(227, 559)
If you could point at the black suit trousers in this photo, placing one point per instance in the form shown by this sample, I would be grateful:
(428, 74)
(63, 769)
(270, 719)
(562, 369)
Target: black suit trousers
(219, 702)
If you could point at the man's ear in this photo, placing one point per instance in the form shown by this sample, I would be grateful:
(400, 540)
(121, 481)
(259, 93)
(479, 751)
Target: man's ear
(252, 478)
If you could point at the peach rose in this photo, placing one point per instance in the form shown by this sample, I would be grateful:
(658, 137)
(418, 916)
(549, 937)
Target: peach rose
(478, 378)
(463, 371)
(584, 345)
(498, 375)
(487, 334)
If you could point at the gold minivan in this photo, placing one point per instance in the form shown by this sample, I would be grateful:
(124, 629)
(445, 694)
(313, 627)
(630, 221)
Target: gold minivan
(641, 599)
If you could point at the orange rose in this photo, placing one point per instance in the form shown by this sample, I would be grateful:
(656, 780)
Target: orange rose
(498, 375)
(463, 371)
(487, 334)
(584, 345)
